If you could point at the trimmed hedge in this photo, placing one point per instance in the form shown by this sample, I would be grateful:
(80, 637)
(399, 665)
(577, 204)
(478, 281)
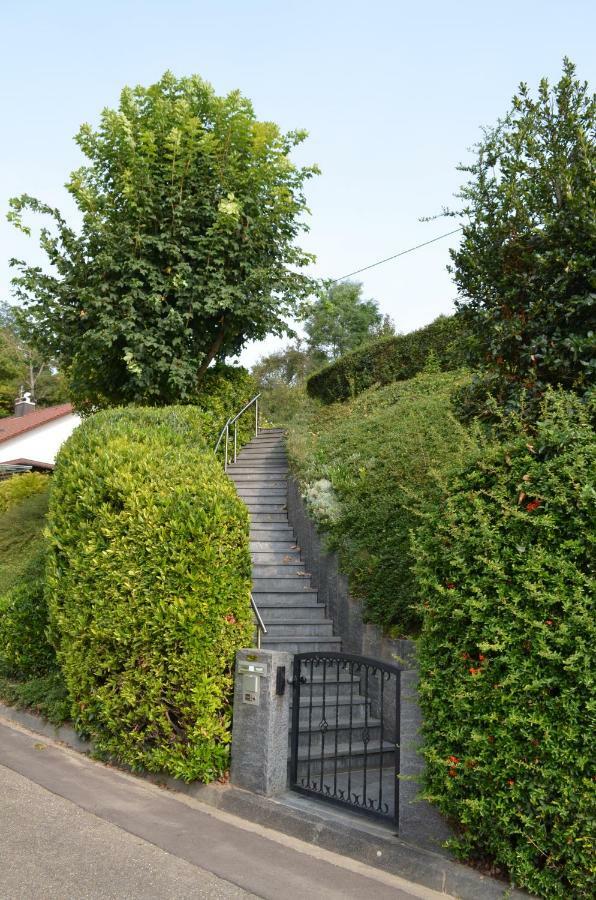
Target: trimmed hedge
(390, 359)
(148, 587)
(366, 467)
(506, 566)
(24, 648)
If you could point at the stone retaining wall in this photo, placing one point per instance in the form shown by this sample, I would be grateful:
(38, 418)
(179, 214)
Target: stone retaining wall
(418, 820)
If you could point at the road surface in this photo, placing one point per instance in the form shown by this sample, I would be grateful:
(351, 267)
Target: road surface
(74, 829)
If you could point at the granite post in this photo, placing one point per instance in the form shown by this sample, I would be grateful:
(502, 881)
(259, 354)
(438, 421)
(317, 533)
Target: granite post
(260, 726)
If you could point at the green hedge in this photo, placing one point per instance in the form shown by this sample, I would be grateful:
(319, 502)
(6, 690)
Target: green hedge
(506, 566)
(366, 469)
(24, 648)
(390, 359)
(148, 587)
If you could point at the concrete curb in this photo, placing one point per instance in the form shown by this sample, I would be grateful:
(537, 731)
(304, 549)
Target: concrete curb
(378, 847)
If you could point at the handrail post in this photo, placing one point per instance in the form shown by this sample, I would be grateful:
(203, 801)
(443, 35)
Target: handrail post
(226, 456)
(256, 417)
(235, 440)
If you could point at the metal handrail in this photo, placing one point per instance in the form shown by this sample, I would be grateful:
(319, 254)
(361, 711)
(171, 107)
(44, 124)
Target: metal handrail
(261, 629)
(232, 421)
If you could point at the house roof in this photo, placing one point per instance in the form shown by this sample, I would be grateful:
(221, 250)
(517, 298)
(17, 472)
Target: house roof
(28, 463)
(14, 426)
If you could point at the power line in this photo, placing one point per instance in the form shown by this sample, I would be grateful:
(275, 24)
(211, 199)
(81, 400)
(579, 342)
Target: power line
(395, 255)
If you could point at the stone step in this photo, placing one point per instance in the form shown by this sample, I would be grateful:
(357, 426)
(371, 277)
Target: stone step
(249, 452)
(299, 628)
(344, 760)
(281, 585)
(294, 644)
(265, 507)
(357, 704)
(243, 478)
(266, 444)
(260, 518)
(250, 461)
(263, 597)
(314, 737)
(257, 494)
(289, 558)
(340, 690)
(272, 614)
(240, 468)
(289, 601)
(287, 570)
(271, 533)
(274, 547)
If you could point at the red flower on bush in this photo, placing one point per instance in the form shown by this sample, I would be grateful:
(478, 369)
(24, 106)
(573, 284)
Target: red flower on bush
(532, 505)
(452, 772)
(474, 671)
(231, 618)
(454, 759)
(450, 585)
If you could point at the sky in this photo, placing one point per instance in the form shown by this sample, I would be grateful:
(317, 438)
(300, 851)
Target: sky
(393, 95)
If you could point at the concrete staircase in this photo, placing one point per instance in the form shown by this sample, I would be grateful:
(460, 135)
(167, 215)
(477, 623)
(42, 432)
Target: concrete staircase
(281, 587)
(296, 622)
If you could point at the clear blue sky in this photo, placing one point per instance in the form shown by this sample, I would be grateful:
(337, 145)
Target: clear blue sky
(392, 94)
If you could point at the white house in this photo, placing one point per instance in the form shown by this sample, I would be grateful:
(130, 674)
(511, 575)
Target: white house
(34, 436)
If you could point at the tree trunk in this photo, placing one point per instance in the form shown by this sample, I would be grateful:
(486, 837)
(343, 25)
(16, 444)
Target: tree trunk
(212, 352)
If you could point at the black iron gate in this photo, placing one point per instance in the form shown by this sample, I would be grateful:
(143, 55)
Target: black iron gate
(345, 732)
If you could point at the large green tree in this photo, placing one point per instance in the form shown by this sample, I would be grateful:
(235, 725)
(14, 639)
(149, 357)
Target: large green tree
(341, 319)
(190, 210)
(525, 269)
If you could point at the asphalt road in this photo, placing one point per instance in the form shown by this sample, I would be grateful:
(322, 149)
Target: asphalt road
(73, 829)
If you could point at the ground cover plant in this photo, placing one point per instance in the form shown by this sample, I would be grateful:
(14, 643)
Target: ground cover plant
(148, 587)
(365, 467)
(389, 359)
(506, 569)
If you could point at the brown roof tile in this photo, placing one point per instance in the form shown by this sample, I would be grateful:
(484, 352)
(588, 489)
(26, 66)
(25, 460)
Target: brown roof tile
(14, 426)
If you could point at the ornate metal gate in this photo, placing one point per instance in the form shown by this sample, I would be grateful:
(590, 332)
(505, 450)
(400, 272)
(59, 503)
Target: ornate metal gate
(345, 732)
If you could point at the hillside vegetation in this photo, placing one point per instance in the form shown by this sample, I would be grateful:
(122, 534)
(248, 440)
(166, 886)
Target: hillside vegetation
(390, 359)
(368, 469)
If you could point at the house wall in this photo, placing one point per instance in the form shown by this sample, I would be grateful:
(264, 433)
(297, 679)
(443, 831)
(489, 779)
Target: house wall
(41, 443)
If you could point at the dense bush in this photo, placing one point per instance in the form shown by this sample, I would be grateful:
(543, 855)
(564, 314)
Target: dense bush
(390, 359)
(225, 390)
(506, 567)
(365, 467)
(148, 585)
(19, 487)
(24, 648)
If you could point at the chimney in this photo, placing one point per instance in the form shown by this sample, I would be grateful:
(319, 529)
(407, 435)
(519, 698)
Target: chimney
(24, 404)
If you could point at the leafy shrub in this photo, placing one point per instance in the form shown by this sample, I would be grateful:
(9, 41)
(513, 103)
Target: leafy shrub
(390, 359)
(24, 648)
(148, 585)
(19, 487)
(506, 567)
(366, 468)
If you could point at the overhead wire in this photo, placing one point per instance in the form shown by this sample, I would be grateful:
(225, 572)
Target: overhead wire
(395, 255)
